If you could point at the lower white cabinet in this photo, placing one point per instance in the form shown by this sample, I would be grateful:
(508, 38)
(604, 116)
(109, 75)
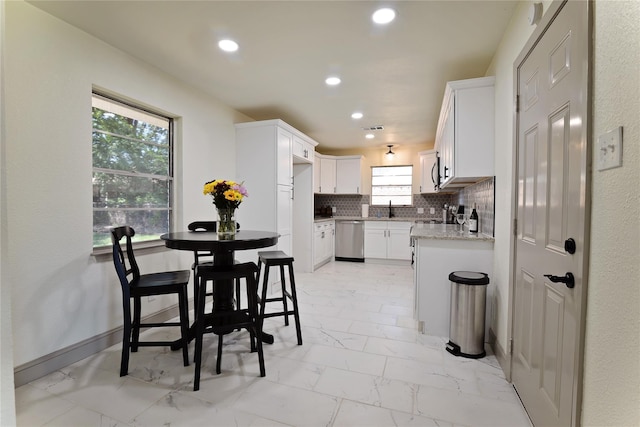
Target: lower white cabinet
(323, 242)
(387, 240)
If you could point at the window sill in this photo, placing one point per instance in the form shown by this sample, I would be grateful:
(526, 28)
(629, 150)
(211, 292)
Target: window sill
(103, 253)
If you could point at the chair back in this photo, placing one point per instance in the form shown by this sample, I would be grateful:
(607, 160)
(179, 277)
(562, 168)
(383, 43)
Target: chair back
(124, 260)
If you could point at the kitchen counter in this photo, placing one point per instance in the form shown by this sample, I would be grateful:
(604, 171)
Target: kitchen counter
(445, 232)
(370, 218)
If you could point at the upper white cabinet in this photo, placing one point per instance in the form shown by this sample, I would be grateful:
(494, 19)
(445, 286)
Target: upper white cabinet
(465, 135)
(284, 161)
(428, 171)
(327, 175)
(303, 150)
(337, 174)
(349, 175)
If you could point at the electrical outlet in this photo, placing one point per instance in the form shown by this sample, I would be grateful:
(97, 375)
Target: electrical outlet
(420, 210)
(432, 211)
(610, 149)
(333, 209)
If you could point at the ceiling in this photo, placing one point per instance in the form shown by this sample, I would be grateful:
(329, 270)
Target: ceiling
(394, 74)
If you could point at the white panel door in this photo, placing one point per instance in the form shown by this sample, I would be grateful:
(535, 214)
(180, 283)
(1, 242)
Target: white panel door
(552, 194)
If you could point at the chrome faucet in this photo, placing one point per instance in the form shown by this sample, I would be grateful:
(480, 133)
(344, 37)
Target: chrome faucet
(391, 214)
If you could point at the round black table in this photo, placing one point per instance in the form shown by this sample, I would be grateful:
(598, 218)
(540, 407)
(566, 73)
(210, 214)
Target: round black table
(223, 254)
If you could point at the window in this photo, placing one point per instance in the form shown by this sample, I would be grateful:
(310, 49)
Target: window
(391, 183)
(132, 170)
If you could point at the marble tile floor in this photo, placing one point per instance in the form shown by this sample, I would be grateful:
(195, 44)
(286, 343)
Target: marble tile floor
(363, 363)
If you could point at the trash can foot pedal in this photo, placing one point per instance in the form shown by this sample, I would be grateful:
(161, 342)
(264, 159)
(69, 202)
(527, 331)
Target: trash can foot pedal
(454, 349)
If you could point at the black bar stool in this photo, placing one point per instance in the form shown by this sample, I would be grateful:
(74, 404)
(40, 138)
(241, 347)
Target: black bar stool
(222, 322)
(280, 259)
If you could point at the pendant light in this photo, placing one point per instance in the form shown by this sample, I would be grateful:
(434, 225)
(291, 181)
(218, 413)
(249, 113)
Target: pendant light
(390, 153)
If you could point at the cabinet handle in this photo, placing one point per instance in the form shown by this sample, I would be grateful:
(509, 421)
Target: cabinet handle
(446, 175)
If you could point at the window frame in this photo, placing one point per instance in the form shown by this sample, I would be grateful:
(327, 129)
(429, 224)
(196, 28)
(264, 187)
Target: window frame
(169, 177)
(410, 185)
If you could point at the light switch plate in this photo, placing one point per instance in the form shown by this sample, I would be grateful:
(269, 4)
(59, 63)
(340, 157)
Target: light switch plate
(610, 149)
(420, 210)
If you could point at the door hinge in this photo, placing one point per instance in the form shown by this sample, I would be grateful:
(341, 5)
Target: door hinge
(517, 103)
(510, 345)
(515, 226)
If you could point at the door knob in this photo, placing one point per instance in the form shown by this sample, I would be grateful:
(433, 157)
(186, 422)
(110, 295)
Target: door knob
(570, 246)
(567, 279)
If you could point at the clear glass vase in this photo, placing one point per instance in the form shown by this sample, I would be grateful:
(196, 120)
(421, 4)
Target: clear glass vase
(226, 226)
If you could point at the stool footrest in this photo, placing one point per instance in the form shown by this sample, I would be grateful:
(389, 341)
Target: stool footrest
(282, 313)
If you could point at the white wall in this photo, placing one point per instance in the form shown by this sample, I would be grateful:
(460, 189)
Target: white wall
(7, 397)
(611, 395)
(61, 294)
(612, 354)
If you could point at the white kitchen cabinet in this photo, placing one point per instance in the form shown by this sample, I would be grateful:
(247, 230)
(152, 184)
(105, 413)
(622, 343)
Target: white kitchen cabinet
(327, 175)
(349, 175)
(284, 160)
(465, 135)
(337, 174)
(387, 240)
(303, 150)
(324, 242)
(264, 161)
(428, 162)
(316, 172)
(435, 259)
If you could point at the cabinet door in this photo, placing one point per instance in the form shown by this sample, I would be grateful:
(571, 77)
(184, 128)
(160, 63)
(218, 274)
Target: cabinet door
(302, 149)
(447, 151)
(284, 157)
(375, 239)
(399, 241)
(427, 162)
(327, 176)
(316, 173)
(317, 244)
(348, 176)
(284, 206)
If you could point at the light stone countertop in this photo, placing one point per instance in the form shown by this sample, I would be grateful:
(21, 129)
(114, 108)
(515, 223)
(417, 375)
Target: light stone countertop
(446, 232)
(370, 218)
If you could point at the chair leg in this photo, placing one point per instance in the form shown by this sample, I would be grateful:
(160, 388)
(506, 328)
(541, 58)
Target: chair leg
(252, 300)
(137, 308)
(126, 339)
(199, 333)
(284, 295)
(184, 324)
(219, 358)
(263, 298)
(294, 297)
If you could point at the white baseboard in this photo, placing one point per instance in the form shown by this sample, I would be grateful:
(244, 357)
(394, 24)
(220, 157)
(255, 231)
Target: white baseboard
(49, 363)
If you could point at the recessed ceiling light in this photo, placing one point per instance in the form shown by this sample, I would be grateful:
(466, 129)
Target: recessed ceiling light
(369, 136)
(333, 81)
(357, 115)
(228, 45)
(383, 16)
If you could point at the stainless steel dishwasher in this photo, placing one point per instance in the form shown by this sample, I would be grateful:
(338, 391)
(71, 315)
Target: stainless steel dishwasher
(350, 240)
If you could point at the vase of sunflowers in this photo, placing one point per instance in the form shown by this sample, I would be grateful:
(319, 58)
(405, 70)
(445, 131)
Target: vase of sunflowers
(227, 196)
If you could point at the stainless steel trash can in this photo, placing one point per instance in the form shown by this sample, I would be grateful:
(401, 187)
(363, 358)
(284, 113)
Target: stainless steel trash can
(468, 305)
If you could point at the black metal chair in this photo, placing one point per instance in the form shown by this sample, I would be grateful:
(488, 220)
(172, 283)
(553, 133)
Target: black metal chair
(222, 322)
(279, 259)
(135, 286)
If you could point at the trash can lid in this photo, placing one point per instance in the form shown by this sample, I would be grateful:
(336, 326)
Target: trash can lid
(469, 278)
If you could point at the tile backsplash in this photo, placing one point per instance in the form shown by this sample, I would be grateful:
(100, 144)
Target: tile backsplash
(481, 193)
